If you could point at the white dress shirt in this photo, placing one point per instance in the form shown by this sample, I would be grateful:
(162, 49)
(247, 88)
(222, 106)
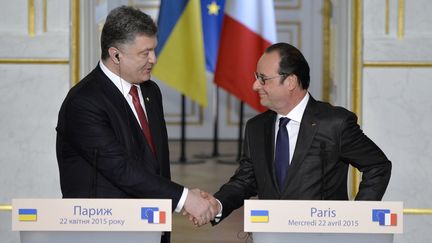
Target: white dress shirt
(293, 126)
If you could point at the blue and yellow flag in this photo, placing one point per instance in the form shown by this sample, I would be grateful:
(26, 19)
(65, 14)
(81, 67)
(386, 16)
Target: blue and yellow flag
(27, 214)
(259, 216)
(188, 39)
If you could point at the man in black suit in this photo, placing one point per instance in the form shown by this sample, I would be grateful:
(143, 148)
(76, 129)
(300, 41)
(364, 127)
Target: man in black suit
(111, 134)
(320, 142)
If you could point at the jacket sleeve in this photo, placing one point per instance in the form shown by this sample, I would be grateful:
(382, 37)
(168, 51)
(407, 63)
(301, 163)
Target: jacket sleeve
(361, 152)
(242, 185)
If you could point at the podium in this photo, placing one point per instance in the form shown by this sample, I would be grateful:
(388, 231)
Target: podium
(323, 221)
(91, 220)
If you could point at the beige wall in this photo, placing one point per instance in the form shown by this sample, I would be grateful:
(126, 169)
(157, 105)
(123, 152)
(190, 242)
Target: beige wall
(395, 100)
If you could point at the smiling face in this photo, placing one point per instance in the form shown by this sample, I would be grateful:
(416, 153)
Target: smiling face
(274, 93)
(137, 59)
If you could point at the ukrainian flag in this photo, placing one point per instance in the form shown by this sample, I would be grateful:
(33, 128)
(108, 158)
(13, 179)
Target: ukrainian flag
(27, 214)
(259, 216)
(180, 50)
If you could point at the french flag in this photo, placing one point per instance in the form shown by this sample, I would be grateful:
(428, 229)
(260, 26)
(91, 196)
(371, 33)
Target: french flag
(157, 217)
(248, 29)
(390, 219)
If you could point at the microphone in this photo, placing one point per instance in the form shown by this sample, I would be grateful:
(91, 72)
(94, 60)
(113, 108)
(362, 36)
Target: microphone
(323, 157)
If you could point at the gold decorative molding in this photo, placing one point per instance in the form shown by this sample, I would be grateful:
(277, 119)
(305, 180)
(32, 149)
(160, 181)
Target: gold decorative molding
(326, 50)
(357, 47)
(5, 207)
(45, 15)
(418, 211)
(401, 19)
(32, 61)
(408, 211)
(387, 17)
(31, 18)
(75, 42)
(397, 64)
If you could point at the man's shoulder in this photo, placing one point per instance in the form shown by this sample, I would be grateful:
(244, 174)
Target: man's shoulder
(327, 112)
(266, 116)
(327, 108)
(88, 90)
(90, 83)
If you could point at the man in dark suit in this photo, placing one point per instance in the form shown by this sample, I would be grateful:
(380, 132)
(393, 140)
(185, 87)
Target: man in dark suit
(111, 133)
(300, 148)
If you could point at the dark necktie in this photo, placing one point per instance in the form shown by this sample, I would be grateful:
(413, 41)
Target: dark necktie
(142, 117)
(282, 152)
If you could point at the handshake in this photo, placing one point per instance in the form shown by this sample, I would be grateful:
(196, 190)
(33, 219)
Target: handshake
(200, 207)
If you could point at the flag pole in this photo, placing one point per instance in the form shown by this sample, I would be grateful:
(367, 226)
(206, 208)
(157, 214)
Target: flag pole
(215, 153)
(183, 159)
(216, 124)
(239, 139)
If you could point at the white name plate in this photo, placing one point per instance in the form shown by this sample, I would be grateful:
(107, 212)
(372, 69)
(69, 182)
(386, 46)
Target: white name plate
(91, 215)
(323, 216)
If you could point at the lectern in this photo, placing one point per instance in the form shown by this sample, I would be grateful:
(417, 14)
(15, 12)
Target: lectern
(91, 220)
(322, 221)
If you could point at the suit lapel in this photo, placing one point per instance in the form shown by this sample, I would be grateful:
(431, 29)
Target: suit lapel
(308, 128)
(121, 105)
(118, 100)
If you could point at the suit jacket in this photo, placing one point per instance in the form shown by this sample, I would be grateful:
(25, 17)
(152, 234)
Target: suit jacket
(101, 149)
(329, 139)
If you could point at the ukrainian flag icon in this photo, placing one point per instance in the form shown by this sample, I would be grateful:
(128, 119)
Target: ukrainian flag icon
(259, 216)
(27, 214)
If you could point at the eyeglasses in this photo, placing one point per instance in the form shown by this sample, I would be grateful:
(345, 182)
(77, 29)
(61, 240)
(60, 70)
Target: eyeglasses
(262, 79)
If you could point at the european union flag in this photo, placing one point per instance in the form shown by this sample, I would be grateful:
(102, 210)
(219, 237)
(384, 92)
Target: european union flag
(147, 212)
(212, 12)
(378, 215)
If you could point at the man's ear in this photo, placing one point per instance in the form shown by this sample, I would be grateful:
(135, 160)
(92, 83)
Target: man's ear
(114, 54)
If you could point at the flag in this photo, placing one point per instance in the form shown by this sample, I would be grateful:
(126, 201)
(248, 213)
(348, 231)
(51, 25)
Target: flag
(384, 217)
(259, 216)
(153, 215)
(27, 214)
(248, 29)
(157, 217)
(180, 50)
(212, 12)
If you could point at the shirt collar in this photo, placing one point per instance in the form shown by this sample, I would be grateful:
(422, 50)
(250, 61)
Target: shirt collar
(296, 114)
(122, 85)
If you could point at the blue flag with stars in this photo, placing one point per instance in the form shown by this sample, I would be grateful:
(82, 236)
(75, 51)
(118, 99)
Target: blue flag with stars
(212, 12)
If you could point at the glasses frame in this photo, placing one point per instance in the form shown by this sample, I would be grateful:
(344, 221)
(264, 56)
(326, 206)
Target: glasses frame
(262, 80)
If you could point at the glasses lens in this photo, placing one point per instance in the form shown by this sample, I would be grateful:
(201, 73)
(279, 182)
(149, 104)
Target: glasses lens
(259, 78)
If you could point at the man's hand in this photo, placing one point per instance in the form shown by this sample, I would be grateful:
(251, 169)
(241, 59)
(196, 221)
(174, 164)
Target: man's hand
(200, 209)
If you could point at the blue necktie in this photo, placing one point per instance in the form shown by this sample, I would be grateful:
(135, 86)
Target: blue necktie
(282, 151)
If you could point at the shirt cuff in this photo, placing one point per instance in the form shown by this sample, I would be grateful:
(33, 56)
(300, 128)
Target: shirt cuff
(219, 215)
(182, 200)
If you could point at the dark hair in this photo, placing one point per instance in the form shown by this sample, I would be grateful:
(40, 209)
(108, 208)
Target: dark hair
(292, 61)
(122, 25)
